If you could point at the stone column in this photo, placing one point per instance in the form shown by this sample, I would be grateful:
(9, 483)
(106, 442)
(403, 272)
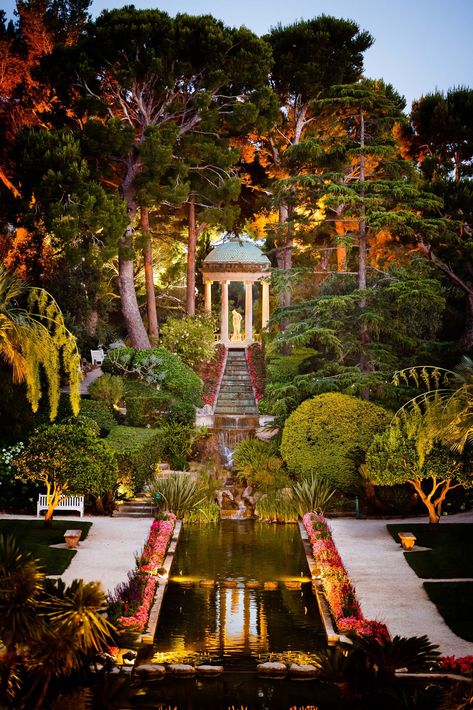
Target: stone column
(208, 296)
(265, 304)
(248, 311)
(224, 314)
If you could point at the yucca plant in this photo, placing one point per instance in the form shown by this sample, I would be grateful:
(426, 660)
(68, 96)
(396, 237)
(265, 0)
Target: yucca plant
(312, 494)
(178, 493)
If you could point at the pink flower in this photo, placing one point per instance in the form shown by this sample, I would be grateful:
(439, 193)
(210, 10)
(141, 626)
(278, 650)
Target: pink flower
(338, 590)
(154, 553)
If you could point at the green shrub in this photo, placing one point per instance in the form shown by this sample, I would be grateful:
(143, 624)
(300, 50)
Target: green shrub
(108, 388)
(69, 458)
(118, 361)
(206, 513)
(136, 452)
(328, 436)
(16, 495)
(175, 442)
(147, 406)
(190, 337)
(100, 413)
(162, 370)
(259, 464)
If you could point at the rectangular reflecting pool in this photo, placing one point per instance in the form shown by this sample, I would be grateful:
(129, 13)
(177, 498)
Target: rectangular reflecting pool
(237, 590)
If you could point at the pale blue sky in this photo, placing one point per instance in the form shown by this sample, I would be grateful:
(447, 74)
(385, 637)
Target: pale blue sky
(421, 45)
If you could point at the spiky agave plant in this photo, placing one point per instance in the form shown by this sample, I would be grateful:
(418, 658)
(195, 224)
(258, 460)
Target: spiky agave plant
(179, 493)
(312, 494)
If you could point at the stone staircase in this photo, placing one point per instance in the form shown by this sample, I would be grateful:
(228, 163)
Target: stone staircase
(140, 507)
(236, 396)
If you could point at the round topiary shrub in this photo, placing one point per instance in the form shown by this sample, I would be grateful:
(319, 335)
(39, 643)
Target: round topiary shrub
(329, 435)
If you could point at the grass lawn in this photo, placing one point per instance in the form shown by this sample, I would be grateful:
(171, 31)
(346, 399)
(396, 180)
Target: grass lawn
(454, 600)
(35, 538)
(452, 549)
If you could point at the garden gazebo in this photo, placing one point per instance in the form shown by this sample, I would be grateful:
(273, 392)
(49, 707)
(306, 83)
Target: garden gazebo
(238, 260)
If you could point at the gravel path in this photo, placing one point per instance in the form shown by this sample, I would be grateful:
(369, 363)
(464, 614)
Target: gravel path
(108, 552)
(387, 588)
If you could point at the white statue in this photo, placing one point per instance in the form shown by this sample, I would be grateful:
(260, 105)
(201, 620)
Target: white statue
(236, 317)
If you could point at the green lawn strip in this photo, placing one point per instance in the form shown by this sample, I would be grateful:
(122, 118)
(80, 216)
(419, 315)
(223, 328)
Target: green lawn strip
(454, 600)
(33, 537)
(452, 549)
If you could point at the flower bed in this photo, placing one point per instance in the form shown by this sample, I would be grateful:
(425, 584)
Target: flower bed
(339, 591)
(211, 373)
(130, 604)
(463, 666)
(255, 359)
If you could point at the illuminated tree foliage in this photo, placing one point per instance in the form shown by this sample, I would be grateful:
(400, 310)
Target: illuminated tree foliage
(394, 458)
(67, 459)
(34, 340)
(147, 80)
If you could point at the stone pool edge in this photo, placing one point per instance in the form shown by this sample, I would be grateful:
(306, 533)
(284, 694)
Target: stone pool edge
(147, 637)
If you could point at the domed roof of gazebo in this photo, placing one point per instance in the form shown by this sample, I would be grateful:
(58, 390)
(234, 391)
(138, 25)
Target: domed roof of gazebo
(237, 251)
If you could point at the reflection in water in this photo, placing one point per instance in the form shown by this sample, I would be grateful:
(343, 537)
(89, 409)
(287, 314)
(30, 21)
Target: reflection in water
(240, 590)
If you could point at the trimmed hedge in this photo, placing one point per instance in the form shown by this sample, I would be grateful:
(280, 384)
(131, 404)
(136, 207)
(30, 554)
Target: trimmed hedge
(147, 406)
(136, 452)
(329, 435)
(100, 413)
(167, 384)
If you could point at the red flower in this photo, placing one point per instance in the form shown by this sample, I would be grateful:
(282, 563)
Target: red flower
(255, 360)
(211, 374)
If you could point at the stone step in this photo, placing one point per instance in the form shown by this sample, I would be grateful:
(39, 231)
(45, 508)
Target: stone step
(133, 515)
(240, 403)
(130, 508)
(237, 377)
(236, 394)
(236, 410)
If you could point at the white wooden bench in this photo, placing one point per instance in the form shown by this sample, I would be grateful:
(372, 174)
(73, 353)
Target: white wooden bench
(69, 503)
(97, 356)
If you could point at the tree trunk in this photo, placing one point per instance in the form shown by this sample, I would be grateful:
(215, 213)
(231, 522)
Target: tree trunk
(126, 277)
(153, 327)
(130, 309)
(92, 322)
(434, 505)
(48, 517)
(191, 249)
